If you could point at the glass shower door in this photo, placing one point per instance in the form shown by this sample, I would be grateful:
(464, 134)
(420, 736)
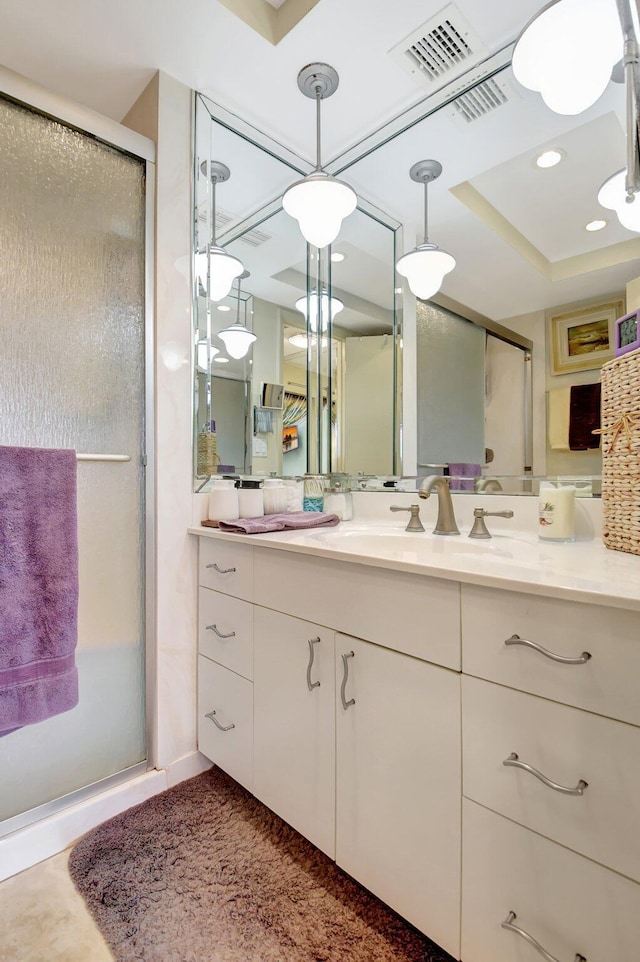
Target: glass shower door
(72, 323)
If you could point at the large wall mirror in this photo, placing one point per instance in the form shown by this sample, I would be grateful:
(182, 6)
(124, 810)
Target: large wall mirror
(521, 323)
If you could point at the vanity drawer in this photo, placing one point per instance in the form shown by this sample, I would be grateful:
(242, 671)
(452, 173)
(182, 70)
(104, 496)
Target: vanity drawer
(566, 745)
(568, 903)
(404, 612)
(227, 567)
(607, 683)
(231, 698)
(225, 631)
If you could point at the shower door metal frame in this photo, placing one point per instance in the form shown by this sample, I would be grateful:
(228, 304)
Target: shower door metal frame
(14, 86)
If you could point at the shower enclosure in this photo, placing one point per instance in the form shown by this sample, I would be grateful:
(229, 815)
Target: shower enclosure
(75, 304)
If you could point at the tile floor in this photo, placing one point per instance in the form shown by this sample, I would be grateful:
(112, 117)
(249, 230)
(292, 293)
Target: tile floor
(44, 919)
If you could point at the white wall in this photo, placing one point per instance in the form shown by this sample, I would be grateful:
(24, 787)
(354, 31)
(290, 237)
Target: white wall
(368, 404)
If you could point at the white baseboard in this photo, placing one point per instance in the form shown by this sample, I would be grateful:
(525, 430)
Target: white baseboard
(192, 764)
(39, 841)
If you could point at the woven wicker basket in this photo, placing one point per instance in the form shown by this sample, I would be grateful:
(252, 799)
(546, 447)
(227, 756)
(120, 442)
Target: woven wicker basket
(207, 454)
(621, 453)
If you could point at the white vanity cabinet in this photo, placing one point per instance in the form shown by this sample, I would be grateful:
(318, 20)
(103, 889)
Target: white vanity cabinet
(294, 724)
(398, 783)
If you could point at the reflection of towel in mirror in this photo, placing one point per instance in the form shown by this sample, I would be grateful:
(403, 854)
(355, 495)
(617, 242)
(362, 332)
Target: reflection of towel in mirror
(558, 429)
(584, 417)
(462, 476)
(38, 585)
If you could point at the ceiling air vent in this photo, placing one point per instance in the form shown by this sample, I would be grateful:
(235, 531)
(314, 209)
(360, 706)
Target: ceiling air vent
(480, 101)
(224, 220)
(441, 49)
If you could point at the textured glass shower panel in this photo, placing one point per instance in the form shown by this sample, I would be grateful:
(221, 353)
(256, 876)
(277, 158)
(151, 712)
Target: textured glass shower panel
(72, 376)
(451, 388)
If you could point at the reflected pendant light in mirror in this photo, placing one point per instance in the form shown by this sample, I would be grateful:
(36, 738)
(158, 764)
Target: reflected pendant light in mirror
(426, 266)
(237, 337)
(204, 355)
(319, 304)
(319, 202)
(567, 53)
(614, 196)
(221, 267)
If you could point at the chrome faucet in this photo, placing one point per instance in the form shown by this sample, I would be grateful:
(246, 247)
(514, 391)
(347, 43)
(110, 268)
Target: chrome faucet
(415, 524)
(446, 523)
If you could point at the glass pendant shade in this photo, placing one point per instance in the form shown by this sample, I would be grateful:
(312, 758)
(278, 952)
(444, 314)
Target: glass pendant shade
(203, 356)
(319, 203)
(568, 51)
(237, 340)
(329, 307)
(224, 270)
(425, 269)
(201, 266)
(613, 195)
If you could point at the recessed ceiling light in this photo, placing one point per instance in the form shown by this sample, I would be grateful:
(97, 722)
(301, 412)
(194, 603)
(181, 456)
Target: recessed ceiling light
(221, 360)
(595, 225)
(549, 158)
(336, 257)
(223, 307)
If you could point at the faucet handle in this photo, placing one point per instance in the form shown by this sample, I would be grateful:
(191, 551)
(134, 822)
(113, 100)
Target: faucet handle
(479, 529)
(415, 524)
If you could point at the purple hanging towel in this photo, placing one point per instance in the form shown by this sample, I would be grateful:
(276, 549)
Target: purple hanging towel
(38, 585)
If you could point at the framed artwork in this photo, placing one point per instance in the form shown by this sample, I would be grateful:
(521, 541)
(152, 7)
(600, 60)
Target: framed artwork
(627, 333)
(290, 438)
(584, 338)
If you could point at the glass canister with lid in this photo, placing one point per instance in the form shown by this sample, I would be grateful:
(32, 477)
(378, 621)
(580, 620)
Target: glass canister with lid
(337, 498)
(314, 485)
(250, 498)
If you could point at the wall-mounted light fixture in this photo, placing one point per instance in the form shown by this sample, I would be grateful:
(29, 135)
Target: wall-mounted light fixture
(426, 266)
(319, 202)
(237, 338)
(319, 305)
(216, 265)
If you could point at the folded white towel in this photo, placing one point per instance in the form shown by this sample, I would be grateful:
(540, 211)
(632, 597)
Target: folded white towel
(558, 418)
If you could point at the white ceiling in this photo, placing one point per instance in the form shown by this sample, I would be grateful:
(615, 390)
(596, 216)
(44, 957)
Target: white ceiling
(103, 55)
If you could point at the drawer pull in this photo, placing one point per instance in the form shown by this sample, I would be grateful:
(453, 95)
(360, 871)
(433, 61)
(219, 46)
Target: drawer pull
(312, 684)
(580, 660)
(508, 924)
(221, 571)
(223, 728)
(230, 634)
(345, 677)
(514, 762)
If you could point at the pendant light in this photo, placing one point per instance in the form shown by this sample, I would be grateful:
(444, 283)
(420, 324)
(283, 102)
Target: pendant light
(237, 338)
(567, 53)
(614, 195)
(426, 266)
(319, 304)
(223, 267)
(319, 202)
(205, 354)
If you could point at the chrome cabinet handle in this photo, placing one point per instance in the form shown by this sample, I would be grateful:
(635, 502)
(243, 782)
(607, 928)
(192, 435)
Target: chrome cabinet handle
(514, 762)
(508, 924)
(311, 684)
(580, 660)
(345, 677)
(223, 728)
(230, 634)
(221, 571)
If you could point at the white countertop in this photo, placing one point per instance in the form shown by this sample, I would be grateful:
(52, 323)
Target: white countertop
(584, 570)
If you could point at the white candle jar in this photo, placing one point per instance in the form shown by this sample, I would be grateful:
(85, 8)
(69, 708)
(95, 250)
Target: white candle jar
(556, 512)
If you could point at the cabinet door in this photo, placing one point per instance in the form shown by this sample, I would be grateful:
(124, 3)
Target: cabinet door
(225, 720)
(398, 784)
(294, 724)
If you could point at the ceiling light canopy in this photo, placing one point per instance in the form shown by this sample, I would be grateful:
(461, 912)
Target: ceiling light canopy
(323, 305)
(567, 53)
(613, 195)
(220, 268)
(426, 266)
(319, 202)
(237, 337)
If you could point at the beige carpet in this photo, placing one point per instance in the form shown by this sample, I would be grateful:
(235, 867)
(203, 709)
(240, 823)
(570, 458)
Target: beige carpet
(205, 873)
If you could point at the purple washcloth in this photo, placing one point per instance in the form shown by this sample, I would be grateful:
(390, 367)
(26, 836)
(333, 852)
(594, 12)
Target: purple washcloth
(38, 585)
(280, 522)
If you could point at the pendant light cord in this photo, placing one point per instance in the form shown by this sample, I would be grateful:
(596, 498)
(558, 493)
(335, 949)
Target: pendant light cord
(213, 212)
(318, 103)
(426, 211)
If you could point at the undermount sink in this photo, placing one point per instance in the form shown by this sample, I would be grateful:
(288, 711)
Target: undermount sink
(417, 544)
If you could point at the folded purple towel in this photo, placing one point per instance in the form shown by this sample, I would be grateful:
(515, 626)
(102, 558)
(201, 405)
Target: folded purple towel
(280, 522)
(38, 585)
